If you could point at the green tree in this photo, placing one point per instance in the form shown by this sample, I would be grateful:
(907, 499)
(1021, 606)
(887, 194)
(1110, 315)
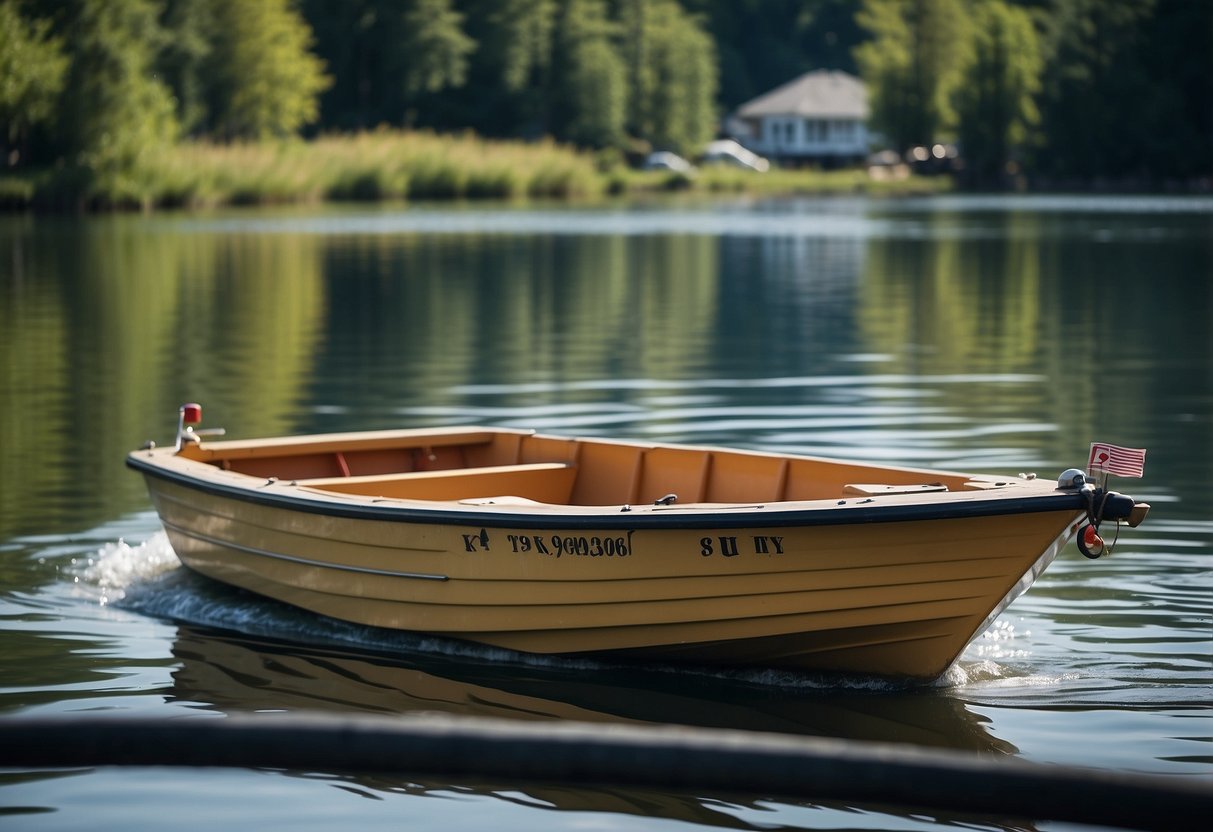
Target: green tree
(1127, 90)
(510, 79)
(1095, 81)
(352, 40)
(116, 116)
(191, 33)
(33, 68)
(524, 42)
(433, 47)
(1175, 38)
(912, 66)
(996, 104)
(761, 44)
(672, 75)
(266, 80)
(591, 93)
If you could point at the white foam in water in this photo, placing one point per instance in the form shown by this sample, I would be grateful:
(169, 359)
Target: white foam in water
(998, 642)
(980, 662)
(118, 566)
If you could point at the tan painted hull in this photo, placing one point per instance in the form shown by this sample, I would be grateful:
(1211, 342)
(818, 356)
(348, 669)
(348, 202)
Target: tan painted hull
(896, 587)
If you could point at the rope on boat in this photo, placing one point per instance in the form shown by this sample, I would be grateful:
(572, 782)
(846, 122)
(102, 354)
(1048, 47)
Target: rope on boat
(669, 759)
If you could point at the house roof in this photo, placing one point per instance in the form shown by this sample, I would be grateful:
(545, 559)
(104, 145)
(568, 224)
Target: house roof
(823, 93)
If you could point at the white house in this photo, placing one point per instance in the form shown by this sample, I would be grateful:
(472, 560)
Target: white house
(820, 117)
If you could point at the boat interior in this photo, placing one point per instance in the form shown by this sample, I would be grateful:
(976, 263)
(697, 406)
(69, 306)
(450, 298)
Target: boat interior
(459, 464)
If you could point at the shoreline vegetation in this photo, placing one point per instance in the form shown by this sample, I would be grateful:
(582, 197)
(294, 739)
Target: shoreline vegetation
(395, 165)
(153, 104)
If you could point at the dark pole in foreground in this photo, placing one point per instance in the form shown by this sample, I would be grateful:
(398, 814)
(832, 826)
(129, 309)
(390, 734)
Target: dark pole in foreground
(669, 759)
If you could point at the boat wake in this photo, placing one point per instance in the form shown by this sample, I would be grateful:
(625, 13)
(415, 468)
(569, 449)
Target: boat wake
(118, 566)
(148, 579)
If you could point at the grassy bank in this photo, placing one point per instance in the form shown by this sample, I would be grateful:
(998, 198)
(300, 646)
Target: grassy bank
(393, 165)
(776, 182)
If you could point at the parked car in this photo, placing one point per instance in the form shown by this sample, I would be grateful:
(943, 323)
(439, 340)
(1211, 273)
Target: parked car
(665, 160)
(729, 152)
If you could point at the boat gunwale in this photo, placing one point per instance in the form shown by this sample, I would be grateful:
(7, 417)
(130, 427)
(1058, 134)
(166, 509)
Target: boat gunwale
(852, 511)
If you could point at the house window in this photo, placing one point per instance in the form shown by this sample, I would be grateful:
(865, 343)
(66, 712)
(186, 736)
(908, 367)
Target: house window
(781, 132)
(816, 131)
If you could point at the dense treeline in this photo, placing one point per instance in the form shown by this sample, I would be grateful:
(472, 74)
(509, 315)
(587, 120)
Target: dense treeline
(1066, 91)
(1072, 91)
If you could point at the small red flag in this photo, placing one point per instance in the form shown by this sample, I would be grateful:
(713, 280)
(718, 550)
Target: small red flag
(1113, 459)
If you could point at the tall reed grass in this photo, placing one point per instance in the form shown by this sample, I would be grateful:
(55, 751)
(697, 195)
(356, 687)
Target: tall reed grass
(378, 165)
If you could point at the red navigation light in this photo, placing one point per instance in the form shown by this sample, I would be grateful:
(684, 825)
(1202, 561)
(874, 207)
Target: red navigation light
(1090, 543)
(191, 414)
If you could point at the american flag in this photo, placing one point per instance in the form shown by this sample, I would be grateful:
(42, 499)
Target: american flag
(1123, 462)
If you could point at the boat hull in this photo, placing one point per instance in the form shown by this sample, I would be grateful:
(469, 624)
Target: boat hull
(894, 594)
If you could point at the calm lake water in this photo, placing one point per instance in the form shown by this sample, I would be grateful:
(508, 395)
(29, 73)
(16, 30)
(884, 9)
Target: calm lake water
(998, 335)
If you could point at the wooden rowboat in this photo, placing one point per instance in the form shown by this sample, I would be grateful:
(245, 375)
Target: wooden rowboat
(670, 553)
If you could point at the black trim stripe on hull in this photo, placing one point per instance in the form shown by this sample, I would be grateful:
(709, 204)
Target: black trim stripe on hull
(851, 515)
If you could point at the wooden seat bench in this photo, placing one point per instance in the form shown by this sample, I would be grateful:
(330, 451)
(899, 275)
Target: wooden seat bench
(544, 482)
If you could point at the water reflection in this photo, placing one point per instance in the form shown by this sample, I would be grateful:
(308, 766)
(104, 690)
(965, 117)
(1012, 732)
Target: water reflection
(410, 316)
(234, 673)
(105, 327)
(620, 808)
